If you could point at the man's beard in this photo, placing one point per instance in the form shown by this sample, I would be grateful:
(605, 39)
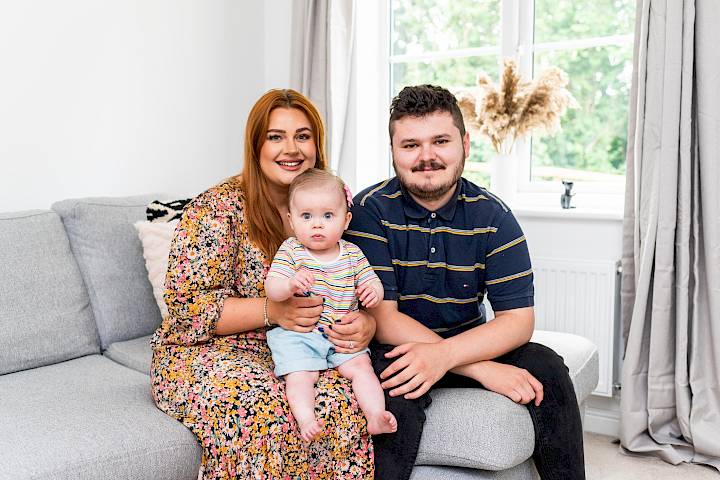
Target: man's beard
(435, 192)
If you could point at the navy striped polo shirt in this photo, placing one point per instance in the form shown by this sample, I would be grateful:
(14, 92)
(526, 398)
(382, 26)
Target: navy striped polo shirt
(440, 265)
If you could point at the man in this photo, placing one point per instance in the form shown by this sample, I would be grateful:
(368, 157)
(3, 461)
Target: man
(440, 244)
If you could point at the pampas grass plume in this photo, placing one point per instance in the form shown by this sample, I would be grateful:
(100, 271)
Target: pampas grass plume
(516, 108)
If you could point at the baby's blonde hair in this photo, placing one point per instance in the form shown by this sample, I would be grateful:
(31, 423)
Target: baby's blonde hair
(314, 178)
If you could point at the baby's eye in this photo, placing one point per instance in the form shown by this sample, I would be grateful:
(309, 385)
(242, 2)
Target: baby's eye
(305, 216)
(328, 216)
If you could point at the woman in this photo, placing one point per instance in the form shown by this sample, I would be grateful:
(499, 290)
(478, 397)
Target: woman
(211, 367)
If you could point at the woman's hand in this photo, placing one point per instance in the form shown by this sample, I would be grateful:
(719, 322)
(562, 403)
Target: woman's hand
(299, 314)
(353, 332)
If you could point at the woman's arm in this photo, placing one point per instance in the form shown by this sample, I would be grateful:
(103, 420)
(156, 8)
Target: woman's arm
(242, 314)
(199, 289)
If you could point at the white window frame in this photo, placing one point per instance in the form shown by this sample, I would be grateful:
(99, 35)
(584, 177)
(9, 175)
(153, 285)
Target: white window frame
(373, 50)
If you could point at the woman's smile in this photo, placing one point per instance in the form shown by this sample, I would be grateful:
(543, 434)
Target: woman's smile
(290, 165)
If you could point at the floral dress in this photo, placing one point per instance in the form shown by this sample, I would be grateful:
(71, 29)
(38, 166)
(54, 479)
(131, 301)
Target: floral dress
(222, 387)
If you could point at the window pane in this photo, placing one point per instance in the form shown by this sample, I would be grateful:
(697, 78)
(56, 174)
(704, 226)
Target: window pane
(453, 74)
(593, 140)
(557, 20)
(421, 26)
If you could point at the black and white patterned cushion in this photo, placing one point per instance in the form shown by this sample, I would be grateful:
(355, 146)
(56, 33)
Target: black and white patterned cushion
(158, 211)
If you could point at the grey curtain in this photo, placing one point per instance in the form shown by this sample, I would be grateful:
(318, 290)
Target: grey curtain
(322, 59)
(670, 400)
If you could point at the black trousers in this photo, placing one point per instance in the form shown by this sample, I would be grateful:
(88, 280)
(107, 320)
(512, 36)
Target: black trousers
(558, 450)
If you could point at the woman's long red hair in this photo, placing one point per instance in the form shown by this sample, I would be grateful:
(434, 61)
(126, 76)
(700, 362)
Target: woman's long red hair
(263, 219)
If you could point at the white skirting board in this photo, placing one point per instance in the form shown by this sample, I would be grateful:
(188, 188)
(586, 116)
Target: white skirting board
(602, 415)
(604, 422)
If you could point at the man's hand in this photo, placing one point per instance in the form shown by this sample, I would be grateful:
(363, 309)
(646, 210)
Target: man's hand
(302, 282)
(419, 367)
(515, 383)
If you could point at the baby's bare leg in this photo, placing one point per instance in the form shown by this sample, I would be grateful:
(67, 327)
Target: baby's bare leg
(369, 394)
(300, 390)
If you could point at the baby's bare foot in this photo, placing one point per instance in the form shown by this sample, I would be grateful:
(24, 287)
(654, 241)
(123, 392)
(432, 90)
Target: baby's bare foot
(383, 422)
(310, 429)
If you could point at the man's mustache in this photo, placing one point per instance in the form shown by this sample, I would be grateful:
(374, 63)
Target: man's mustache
(427, 165)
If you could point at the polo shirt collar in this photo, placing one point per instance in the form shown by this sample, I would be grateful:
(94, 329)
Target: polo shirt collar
(415, 210)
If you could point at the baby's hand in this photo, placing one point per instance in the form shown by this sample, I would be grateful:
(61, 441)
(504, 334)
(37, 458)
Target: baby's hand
(370, 294)
(301, 282)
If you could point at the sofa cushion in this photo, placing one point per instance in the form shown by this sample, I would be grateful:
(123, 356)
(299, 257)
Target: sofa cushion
(45, 312)
(90, 418)
(135, 354)
(156, 238)
(524, 471)
(110, 257)
(495, 432)
(580, 356)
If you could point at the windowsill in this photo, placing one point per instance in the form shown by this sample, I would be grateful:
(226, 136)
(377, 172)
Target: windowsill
(586, 206)
(580, 213)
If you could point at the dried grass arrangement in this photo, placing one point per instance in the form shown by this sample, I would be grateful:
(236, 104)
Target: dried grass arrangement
(516, 107)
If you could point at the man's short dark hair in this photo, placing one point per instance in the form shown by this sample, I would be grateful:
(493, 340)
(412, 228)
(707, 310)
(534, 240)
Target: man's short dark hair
(422, 100)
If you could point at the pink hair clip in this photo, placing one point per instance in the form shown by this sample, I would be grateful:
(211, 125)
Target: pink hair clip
(348, 195)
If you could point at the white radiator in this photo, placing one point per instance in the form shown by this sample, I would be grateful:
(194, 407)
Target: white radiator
(579, 297)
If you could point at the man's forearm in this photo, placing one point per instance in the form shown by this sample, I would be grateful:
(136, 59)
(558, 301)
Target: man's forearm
(509, 330)
(396, 328)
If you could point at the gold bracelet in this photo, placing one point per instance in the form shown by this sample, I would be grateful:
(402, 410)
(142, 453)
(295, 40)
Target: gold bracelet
(266, 320)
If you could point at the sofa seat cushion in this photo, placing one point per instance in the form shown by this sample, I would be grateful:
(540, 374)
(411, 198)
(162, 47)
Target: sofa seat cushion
(110, 256)
(45, 311)
(524, 471)
(135, 354)
(90, 418)
(496, 433)
(475, 428)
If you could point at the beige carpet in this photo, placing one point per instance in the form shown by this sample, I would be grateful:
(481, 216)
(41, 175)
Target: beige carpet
(603, 461)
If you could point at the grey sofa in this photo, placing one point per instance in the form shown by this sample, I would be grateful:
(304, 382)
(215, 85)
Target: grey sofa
(77, 312)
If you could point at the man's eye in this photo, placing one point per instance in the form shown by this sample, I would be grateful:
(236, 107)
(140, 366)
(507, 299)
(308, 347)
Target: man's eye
(441, 141)
(328, 216)
(306, 216)
(410, 145)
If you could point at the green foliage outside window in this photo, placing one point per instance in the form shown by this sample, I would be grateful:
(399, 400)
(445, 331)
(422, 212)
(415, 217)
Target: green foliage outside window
(593, 140)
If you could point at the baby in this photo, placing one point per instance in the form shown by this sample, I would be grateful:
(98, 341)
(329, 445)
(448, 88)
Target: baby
(318, 261)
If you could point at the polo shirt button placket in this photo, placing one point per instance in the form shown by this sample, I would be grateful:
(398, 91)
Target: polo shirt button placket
(432, 226)
(431, 273)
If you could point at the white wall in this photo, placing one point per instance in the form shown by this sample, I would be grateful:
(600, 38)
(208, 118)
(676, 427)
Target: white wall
(573, 235)
(117, 97)
(276, 47)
